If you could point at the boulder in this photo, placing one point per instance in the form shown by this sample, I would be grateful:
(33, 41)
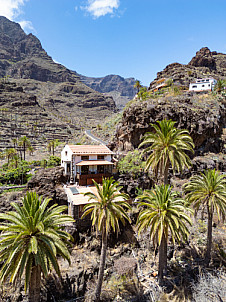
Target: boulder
(49, 184)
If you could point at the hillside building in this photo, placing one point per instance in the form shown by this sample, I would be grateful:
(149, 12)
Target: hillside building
(161, 83)
(203, 85)
(83, 163)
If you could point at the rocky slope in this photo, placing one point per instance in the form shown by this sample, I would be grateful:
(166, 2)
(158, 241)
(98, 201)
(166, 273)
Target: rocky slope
(203, 115)
(204, 64)
(35, 88)
(121, 89)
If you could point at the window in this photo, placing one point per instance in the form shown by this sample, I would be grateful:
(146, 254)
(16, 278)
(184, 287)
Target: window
(66, 153)
(203, 85)
(84, 170)
(194, 86)
(100, 156)
(209, 85)
(85, 157)
(100, 169)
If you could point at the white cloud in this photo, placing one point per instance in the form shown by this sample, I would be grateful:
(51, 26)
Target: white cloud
(11, 8)
(27, 26)
(98, 8)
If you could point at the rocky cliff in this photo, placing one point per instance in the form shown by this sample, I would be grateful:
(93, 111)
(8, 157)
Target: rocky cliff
(204, 116)
(121, 89)
(35, 88)
(204, 64)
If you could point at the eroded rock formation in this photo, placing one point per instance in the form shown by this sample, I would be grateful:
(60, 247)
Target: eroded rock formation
(204, 117)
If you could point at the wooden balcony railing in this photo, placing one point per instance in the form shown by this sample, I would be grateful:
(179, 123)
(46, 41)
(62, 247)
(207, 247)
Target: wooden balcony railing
(86, 179)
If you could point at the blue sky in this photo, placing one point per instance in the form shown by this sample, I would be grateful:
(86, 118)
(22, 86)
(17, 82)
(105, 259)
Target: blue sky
(131, 38)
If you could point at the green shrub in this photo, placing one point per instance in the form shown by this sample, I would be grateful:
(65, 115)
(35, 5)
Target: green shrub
(14, 176)
(53, 161)
(132, 163)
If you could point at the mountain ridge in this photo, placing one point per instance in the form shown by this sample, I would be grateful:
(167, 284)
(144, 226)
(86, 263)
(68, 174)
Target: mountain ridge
(121, 89)
(58, 92)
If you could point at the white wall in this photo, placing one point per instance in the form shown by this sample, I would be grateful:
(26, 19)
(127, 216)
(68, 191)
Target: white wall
(108, 157)
(77, 159)
(199, 86)
(66, 155)
(202, 85)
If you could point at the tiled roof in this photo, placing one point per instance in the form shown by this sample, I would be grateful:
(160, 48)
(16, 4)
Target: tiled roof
(90, 149)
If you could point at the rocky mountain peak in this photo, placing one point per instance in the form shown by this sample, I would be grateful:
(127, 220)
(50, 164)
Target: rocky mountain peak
(203, 58)
(204, 64)
(121, 89)
(11, 29)
(49, 100)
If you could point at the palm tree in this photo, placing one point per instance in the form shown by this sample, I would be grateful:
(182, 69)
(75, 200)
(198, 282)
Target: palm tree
(52, 145)
(30, 241)
(25, 143)
(137, 85)
(167, 146)
(14, 141)
(163, 213)
(9, 153)
(108, 208)
(208, 191)
(220, 86)
(15, 160)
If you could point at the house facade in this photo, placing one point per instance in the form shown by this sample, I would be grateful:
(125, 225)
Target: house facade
(203, 85)
(83, 163)
(161, 83)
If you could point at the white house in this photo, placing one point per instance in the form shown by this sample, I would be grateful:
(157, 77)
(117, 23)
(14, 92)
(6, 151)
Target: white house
(203, 85)
(83, 163)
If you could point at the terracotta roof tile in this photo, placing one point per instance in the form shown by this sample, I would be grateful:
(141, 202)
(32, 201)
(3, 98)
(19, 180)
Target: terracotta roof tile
(90, 149)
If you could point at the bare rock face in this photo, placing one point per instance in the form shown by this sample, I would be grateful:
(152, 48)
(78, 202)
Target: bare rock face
(48, 183)
(122, 90)
(41, 93)
(203, 58)
(204, 118)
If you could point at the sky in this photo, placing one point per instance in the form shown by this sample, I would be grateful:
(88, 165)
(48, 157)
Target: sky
(130, 38)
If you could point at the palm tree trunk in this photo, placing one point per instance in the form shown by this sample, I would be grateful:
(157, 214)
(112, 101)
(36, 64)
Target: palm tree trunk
(162, 259)
(24, 150)
(209, 237)
(35, 284)
(166, 173)
(102, 265)
(165, 256)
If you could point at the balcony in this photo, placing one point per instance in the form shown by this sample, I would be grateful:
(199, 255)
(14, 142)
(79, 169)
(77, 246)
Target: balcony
(87, 179)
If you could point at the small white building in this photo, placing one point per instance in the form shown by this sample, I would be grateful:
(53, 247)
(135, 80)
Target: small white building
(203, 85)
(83, 163)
